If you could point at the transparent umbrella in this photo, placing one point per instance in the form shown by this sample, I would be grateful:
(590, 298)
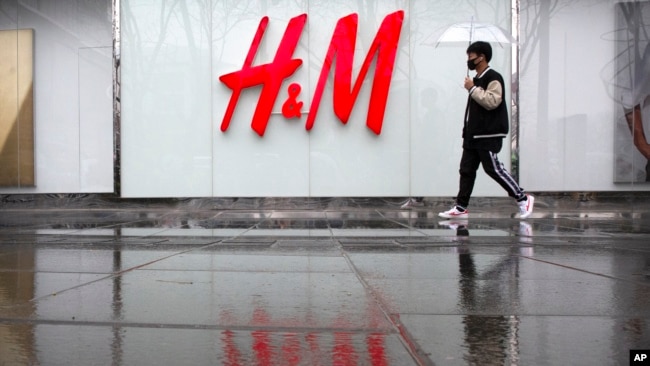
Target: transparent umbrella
(467, 32)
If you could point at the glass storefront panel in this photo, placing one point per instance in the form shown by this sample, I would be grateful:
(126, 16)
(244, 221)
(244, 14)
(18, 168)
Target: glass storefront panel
(63, 135)
(177, 143)
(166, 111)
(581, 77)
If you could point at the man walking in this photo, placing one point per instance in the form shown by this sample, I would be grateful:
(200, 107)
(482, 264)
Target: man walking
(486, 124)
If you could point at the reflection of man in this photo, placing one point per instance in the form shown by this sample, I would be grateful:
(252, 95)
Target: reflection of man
(637, 107)
(485, 336)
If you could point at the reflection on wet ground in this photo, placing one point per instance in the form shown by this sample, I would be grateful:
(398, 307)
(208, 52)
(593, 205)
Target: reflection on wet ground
(361, 283)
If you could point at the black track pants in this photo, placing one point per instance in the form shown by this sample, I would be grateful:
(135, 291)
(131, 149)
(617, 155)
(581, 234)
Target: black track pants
(469, 164)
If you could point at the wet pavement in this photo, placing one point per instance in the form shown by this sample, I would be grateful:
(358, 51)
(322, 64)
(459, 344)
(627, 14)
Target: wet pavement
(323, 282)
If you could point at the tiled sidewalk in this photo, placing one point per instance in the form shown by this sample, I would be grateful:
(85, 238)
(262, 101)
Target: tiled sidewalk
(323, 282)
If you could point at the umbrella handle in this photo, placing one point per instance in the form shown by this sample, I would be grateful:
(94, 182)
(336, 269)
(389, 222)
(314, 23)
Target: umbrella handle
(471, 32)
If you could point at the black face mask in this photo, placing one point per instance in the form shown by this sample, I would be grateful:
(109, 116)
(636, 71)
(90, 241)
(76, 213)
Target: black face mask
(471, 65)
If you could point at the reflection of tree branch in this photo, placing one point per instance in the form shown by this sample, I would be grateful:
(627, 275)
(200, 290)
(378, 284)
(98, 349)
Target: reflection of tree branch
(531, 35)
(632, 34)
(633, 17)
(532, 40)
(207, 18)
(164, 22)
(129, 23)
(189, 35)
(227, 13)
(166, 14)
(535, 15)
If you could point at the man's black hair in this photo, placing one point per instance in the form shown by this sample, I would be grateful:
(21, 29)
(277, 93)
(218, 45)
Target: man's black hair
(481, 48)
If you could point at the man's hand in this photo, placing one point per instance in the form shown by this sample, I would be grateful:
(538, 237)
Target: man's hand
(469, 83)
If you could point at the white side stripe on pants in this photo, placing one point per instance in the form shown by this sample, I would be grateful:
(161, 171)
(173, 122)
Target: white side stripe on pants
(504, 175)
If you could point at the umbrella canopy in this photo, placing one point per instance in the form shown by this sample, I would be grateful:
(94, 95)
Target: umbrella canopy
(469, 32)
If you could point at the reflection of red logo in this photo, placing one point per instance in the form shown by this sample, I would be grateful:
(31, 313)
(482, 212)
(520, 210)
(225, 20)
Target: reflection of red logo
(271, 75)
(271, 346)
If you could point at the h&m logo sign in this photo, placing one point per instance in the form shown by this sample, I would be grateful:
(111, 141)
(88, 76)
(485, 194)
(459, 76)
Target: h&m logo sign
(340, 54)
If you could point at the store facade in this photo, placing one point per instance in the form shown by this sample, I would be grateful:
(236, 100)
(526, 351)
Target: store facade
(315, 98)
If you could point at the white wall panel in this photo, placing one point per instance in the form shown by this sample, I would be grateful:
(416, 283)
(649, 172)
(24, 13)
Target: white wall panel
(96, 119)
(166, 109)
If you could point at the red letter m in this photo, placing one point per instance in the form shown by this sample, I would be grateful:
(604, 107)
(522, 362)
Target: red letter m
(342, 46)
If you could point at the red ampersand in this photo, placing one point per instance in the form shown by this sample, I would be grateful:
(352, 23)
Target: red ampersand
(291, 107)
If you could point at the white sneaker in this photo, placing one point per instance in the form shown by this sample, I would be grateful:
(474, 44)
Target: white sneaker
(454, 224)
(525, 229)
(526, 206)
(454, 213)
(525, 233)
